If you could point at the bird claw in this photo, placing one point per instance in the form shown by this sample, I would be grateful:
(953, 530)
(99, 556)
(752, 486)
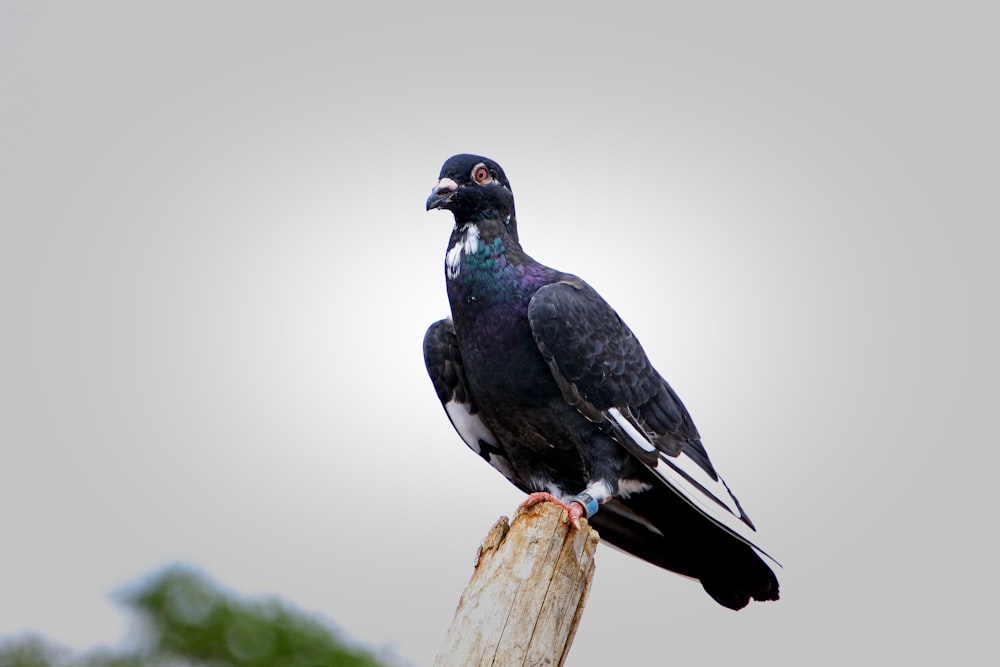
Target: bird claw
(574, 509)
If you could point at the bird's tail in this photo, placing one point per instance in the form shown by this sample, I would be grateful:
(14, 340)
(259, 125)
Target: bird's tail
(658, 527)
(747, 578)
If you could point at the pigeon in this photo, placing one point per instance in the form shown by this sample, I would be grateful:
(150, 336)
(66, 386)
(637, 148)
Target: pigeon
(543, 380)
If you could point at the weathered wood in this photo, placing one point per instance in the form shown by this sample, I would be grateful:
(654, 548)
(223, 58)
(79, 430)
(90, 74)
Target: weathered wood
(526, 595)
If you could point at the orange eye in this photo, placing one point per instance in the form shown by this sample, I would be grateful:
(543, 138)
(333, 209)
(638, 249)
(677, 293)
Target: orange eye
(480, 174)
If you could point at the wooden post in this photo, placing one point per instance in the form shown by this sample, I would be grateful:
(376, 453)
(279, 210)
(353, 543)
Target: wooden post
(527, 593)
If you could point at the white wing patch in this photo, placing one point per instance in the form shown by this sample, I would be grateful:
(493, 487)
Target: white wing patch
(473, 432)
(637, 437)
(696, 475)
(713, 499)
(683, 474)
(469, 426)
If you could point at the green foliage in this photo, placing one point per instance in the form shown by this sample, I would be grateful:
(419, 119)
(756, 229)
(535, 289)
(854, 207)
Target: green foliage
(27, 652)
(188, 621)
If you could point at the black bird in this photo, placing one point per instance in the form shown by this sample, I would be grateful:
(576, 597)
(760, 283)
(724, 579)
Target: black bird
(543, 379)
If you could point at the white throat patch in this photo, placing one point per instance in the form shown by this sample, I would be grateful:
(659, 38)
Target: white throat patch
(463, 246)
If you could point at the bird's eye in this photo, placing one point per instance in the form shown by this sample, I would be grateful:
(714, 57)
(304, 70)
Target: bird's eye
(480, 174)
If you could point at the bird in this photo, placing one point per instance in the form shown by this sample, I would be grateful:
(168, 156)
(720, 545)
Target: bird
(542, 378)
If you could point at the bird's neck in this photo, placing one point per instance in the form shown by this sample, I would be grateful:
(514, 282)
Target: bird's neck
(481, 247)
(490, 284)
(486, 269)
(466, 248)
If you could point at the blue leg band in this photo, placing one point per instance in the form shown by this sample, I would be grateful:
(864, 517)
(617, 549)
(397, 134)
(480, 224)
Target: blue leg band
(587, 502)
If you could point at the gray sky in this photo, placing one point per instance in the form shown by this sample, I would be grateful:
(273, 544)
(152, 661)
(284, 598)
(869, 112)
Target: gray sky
(216, 272)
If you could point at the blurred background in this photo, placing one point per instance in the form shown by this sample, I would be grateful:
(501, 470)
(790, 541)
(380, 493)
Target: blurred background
(216, 271)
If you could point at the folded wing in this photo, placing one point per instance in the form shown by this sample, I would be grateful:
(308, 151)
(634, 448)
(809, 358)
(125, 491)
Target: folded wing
(604, 373)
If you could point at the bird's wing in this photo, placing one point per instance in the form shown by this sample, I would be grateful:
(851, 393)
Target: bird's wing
(604, 373)
(444, 364)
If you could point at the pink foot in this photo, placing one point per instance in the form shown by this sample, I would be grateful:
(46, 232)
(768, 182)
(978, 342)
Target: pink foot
(574, 509)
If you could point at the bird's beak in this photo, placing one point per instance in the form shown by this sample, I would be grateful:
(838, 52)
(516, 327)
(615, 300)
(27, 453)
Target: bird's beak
(441, 193)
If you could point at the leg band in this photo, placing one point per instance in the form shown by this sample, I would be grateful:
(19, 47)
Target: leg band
(587, 502)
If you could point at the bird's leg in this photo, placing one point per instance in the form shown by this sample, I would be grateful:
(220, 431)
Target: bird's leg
(581, 505)
(574, 508)
(542, 497)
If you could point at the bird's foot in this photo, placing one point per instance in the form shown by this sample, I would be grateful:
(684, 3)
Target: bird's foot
(574, 508)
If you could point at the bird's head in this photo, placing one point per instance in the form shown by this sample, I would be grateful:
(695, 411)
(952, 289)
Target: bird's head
(473, 188)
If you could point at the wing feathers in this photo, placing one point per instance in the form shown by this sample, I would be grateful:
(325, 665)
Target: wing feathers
(603, 371)
(631, 431)
(444, 365)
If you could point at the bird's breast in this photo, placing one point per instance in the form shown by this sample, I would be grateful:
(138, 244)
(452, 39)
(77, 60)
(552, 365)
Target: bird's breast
(489, 296)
